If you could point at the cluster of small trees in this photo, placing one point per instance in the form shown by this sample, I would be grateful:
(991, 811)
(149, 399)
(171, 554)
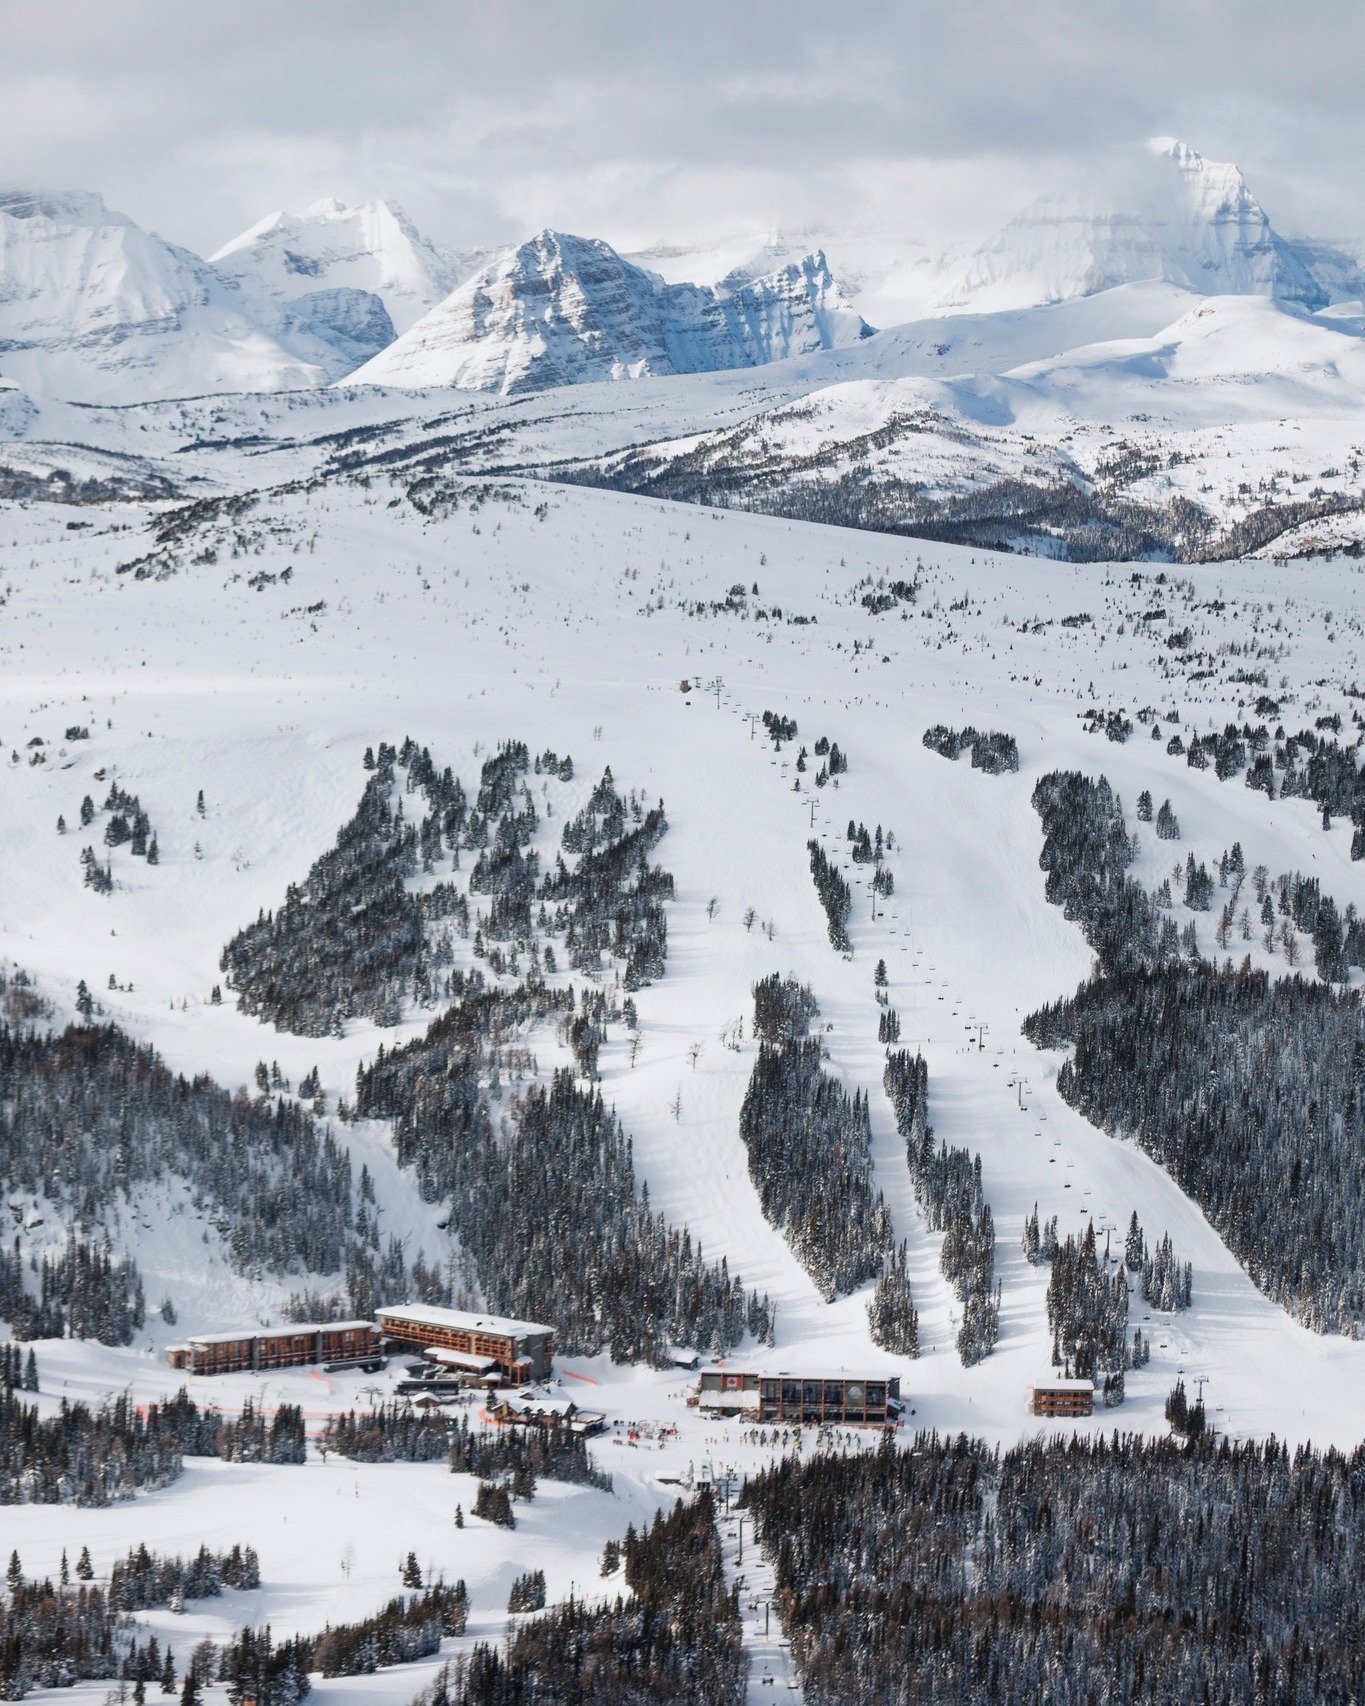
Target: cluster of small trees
(892, 1318)
(143, 1580)
(356, 939)
(611, 902)
(835, 761)
(128, 825)
(809, 1148)
(1086, 853)
(350, 941)
(1087, 1310)
(948, 1189)
(93, 1457)
(527, 1592)
(250, 1438)
(396, 1434)
(675, 1639)
(409, 1627)
(83, 1293)
(835, 896)
(1149, 1571)
(994, 753)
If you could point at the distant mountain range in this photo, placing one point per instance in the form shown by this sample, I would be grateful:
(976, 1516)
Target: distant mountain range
(95, 309)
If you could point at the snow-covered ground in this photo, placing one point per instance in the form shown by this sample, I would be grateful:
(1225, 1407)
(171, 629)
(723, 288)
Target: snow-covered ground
(567, 617)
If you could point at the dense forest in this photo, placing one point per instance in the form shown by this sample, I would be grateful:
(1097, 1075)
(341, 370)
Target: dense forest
(809, 1148)
(544, 1202)
(949, 1192)
(88, 1117)
(675, 1641)
(143, 1580)
(1249, 1092)
(1131, 1572)
(1246, 1089)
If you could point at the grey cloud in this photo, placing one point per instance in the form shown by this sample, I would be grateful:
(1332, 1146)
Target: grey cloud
(487, 120)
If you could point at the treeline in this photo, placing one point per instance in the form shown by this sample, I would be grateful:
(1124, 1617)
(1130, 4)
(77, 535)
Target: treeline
(93, 1457)
(547, 1209)
(1137, 1572)
(994, 753)
(675, 1641)
(809, 1149)
(949, 1192)
(1248, 1092)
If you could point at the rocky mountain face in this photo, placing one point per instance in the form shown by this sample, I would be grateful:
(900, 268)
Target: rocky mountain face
(563, 310)
(94, 309)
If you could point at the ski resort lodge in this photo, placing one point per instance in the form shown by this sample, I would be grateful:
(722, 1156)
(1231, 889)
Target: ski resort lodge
(846, 1399)
(487, 1346)
(336, 1344)
(1062, 1398)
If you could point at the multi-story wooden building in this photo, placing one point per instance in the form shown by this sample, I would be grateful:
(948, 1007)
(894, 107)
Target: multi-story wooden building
(1062, 1398)
(862, 1401)
(486, 1347)
(332, 1343)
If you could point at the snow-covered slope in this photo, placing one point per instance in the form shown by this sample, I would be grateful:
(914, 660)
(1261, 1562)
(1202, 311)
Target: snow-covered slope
(95, 309)
(373, 247)
(563, 310)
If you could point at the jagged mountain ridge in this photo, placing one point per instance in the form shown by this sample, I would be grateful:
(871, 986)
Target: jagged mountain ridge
(561, 310)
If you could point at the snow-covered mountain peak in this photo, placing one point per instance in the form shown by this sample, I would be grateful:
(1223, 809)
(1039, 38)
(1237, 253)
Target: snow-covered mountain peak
(561, 309)
(94, 308)
(372, 246)
(1185, 219)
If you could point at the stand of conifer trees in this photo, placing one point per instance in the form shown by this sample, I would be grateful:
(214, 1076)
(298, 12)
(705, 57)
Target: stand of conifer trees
(1116, 1569)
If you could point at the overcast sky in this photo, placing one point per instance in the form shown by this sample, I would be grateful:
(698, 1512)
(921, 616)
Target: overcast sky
(642, 122)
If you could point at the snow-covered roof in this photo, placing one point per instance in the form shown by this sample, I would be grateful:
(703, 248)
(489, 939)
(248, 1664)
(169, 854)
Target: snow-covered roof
(458, 1359)
(293, 1327)
(463, 1320)
(1063, 1386)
